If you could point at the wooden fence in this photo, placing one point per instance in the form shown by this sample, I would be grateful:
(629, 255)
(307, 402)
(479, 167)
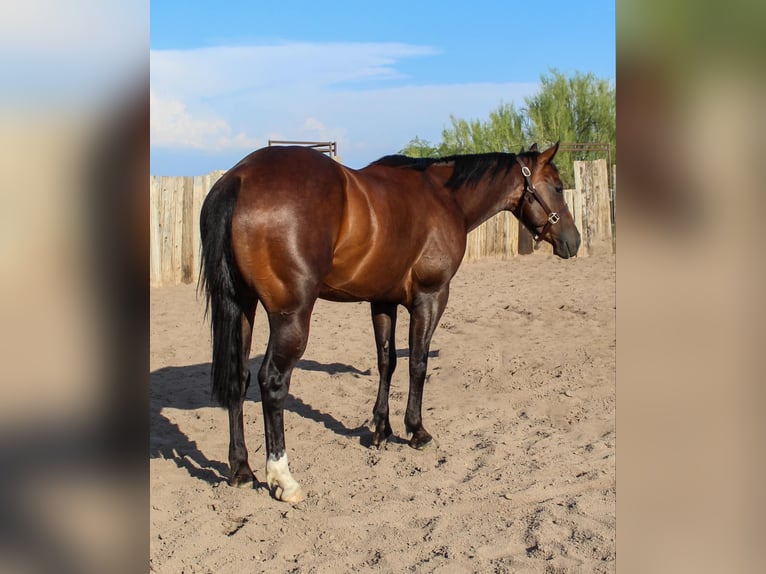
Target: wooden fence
(176, 203)
(591, 203)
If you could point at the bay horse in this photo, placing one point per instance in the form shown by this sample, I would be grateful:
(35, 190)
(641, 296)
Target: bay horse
(288, 225)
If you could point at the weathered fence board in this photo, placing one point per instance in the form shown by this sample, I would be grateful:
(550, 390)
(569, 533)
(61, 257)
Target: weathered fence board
(174, 227)
(592, 185)
(495, 238)
(155, 240)
(176, 202)
(167, 211)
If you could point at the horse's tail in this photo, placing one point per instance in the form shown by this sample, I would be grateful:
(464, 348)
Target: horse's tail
(220, 281)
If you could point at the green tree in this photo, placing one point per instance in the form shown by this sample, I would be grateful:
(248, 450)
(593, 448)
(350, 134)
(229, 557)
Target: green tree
(418, 147)
(576, 109)
(504, 130)
(580, 109)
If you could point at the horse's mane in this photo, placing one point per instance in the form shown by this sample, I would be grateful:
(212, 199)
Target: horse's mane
(469, 169)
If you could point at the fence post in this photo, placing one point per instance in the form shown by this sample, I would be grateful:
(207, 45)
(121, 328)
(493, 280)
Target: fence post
(592, 183)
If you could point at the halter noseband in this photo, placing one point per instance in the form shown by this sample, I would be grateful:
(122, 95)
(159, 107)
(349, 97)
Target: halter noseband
(529, 189)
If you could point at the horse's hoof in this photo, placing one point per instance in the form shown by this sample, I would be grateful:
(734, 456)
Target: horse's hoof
(421, 443)
(293, 496)
(281, 483)
(378, 440)
(242, 480)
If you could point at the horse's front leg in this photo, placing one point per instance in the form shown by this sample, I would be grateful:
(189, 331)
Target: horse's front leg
(384, 325)
(425, 312)
(287, 341)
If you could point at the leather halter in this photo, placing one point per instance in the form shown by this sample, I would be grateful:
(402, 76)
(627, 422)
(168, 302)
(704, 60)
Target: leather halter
(529, 189)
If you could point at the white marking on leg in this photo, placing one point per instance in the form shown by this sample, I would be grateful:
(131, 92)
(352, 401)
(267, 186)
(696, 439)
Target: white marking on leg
(280, 481)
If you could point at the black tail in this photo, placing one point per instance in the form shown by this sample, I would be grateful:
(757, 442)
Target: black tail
(220, 281)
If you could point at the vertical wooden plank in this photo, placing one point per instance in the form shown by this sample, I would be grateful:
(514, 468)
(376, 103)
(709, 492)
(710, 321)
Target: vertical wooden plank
(178, 194)
(479, 234)
(500, 243)
(491, 236)
(198, 196)
(187, 258)
(574, 201)
(614, 195)
(595, 188)
(155, 237)
(614, 207)
(469, 246)
(466, 253)
(582, 183)
(603, 203)
(579, 215)
(490, 230)
(513, 234)
(166, 230)
(172, 183)
(505, 243)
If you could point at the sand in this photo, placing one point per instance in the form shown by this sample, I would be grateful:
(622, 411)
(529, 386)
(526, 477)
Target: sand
(520, 399)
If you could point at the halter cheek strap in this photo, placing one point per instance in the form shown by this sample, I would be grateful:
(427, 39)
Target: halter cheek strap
(529, 189)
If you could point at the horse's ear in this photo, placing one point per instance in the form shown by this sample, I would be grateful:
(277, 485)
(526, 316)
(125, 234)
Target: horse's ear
(521, 151)
(533, 147)
(548, 154)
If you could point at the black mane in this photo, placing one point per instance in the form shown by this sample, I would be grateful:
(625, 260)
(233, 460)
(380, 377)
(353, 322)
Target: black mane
(469, 169)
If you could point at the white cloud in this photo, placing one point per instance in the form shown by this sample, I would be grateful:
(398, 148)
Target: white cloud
(207, 72)
(226, 97)
(173, 126)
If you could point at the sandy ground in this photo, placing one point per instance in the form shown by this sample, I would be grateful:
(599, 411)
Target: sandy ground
(520, 400)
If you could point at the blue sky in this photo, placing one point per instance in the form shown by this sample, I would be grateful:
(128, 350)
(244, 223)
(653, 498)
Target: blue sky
(228, 76)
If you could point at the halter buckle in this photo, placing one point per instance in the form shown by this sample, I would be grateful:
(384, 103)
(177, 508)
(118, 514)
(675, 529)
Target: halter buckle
(525, 171)
(553, 218)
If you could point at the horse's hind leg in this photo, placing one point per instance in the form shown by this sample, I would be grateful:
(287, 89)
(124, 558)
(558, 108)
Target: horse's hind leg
(287, 341)
(424, 317)
(384, 325)
(240, 471)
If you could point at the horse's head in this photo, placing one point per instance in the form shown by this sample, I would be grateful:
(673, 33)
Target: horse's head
(542, 208)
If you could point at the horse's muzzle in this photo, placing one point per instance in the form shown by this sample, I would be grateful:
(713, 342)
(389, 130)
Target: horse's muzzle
(567, 245)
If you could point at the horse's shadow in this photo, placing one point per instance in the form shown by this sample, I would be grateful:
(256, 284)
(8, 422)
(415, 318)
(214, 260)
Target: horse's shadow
(188, 388)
